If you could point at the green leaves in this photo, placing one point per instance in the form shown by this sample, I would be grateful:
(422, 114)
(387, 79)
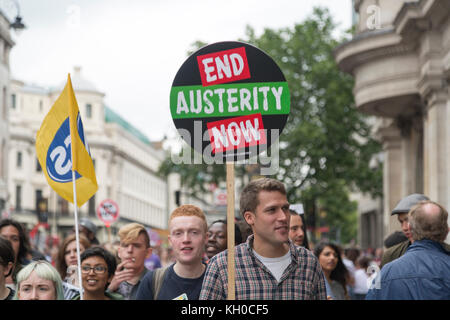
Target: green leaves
(327, 150)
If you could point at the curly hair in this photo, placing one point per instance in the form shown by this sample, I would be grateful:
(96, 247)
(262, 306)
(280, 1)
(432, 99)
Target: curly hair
(102, 253)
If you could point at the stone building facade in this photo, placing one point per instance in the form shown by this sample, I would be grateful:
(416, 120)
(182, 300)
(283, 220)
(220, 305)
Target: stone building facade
(400, 60)
(6, 43)
(125, 161)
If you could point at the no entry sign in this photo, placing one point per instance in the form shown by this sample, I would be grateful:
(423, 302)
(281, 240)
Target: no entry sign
(228, 100)
(108, 212)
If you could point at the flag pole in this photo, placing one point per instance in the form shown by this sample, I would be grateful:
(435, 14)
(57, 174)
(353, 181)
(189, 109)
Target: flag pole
(72, 137)
(80, 283)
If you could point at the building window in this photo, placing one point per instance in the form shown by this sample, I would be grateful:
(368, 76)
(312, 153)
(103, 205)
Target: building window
(2, 163)
(38, 194)
(38, 166)
(4, 102)
(13, 101)
(91, 207)
(63, 206)
(18, 197)
(89, 110)
(19, 159)
(6, 54)
(41, 106)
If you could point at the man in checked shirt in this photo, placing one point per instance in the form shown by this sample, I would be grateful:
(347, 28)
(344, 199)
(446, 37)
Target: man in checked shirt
(268, 266)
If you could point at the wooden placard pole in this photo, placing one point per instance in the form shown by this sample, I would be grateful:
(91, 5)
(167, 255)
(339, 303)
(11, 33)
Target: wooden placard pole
(230, 230)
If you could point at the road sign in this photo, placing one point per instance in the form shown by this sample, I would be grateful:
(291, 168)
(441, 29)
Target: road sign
(297, 207)
(229, 101)
(108, 212)
(220, 197)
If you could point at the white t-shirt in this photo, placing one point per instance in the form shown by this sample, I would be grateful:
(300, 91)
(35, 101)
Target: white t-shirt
(350, 266)
(276, 265)
(361, 282)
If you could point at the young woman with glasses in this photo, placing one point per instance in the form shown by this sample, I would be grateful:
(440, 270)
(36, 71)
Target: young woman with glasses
(97, 270)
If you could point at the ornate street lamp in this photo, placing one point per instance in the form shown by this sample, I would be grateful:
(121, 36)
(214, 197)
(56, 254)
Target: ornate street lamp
(17, 25)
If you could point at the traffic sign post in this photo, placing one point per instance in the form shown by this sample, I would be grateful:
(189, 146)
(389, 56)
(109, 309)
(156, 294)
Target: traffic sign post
(108, 212)
(229, 100)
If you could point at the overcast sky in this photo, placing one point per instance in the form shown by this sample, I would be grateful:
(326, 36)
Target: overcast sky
(132, 49)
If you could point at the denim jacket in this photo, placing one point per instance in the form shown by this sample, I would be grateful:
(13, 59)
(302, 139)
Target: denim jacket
(422, 273)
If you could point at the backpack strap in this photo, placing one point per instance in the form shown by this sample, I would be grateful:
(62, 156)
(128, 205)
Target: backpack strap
(157, 281)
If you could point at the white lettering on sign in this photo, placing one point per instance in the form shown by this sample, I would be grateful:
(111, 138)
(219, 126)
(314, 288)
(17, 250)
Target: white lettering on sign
(231, 100)
(248, 128)
(181, 103)
(234, 131)
(237, 62)
(222, 66)
(234, 134)
(207, 69)
(220, 136)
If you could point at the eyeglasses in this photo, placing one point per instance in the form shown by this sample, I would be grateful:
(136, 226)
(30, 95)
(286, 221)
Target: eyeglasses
(97, 269)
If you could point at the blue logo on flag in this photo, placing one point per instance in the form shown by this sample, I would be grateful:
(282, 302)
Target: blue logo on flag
(59, 155)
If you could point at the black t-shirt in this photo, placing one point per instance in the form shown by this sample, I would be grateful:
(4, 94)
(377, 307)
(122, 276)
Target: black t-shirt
(173, 287)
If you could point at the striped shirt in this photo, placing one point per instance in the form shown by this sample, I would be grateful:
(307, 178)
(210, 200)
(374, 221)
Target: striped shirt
(70, 291)
(303, 279)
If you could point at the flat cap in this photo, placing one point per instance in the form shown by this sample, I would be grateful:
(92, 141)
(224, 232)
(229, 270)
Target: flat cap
(408, 202)
(88, 224)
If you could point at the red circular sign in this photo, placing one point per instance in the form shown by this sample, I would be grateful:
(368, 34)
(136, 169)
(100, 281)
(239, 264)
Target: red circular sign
(108, 212)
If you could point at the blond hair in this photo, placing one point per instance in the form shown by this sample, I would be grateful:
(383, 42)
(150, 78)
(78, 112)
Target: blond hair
(132, 231)
(43, 270)
(189, 210)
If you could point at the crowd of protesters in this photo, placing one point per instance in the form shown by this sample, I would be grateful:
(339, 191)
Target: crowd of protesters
(271, 245)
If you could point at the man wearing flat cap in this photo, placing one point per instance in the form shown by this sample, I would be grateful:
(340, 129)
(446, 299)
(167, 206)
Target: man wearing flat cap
(401, 210)
(89, 229)
(423, 272)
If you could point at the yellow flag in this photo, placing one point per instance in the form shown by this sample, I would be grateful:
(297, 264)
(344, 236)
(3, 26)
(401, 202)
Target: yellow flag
(54, 145)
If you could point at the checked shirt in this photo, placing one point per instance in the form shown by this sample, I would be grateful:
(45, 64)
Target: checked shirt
(303, 279)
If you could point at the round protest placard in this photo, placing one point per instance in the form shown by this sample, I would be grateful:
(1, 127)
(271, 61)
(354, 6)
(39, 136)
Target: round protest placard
(108, 212)
(229, 101)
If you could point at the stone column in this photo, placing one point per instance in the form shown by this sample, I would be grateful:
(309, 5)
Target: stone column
(437, 148)
(392, 174)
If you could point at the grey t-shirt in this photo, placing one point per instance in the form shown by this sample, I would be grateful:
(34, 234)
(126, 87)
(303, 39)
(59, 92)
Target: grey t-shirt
(338, 290)
(128, 290)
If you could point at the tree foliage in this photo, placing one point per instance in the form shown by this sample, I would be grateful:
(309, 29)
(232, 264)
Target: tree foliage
(326, 148)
